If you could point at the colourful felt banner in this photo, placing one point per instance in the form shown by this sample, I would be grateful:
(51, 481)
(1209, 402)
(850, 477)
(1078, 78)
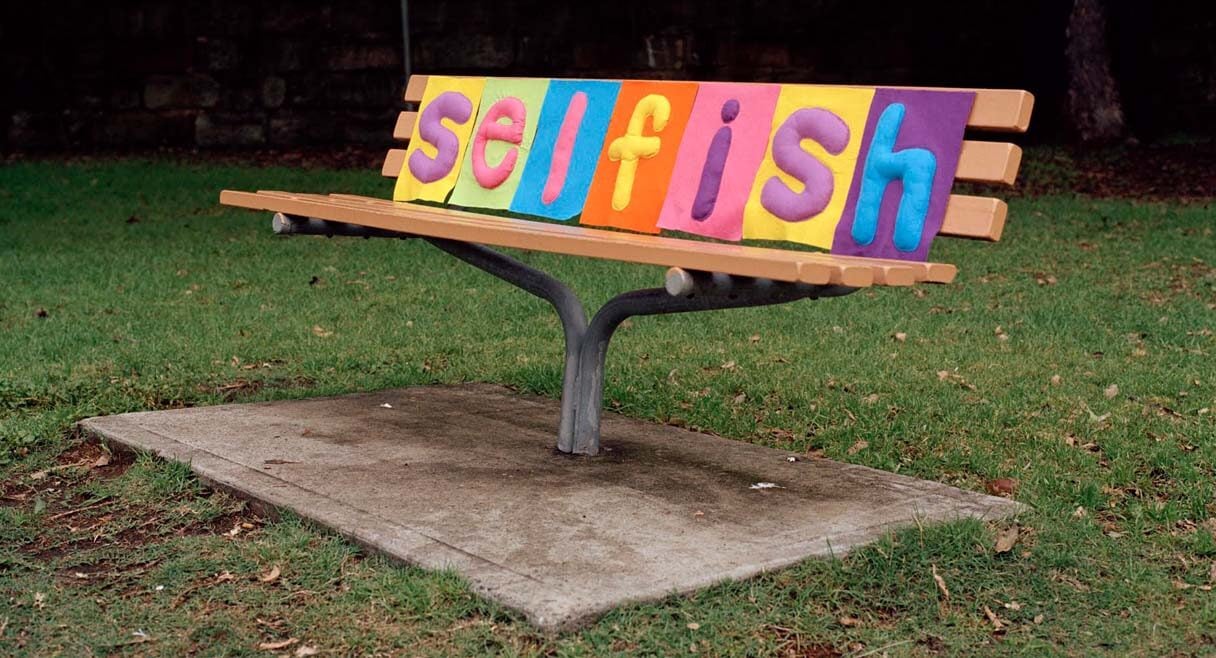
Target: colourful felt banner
(902, 184)
(639, 153)
(502, 139)
(800, 191)
(573, 122)
(723, 146)
(441, 133)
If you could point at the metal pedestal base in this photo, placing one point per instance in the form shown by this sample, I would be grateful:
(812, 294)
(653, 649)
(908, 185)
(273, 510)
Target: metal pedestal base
(587, 341)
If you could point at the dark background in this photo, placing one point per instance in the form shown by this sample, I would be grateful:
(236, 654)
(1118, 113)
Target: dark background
(228, 73)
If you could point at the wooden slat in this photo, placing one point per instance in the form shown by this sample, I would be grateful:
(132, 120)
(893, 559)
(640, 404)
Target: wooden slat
(404, 129)
(978, 218)
(777, 264)
(1006, 110)
(980, 162)
(989, 162)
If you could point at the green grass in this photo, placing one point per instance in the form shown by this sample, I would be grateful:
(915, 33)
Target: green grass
(155, 297)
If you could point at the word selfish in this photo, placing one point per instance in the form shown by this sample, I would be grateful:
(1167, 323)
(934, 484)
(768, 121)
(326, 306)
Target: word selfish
(857, 170)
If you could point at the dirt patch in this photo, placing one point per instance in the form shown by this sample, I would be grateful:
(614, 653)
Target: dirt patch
(74, 519)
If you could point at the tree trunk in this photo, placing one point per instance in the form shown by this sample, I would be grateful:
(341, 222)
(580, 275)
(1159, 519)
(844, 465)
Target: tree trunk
(1094, 107)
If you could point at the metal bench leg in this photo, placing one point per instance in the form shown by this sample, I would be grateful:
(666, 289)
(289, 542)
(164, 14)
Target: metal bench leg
(565, 302)
(587, 344)
(685, 292)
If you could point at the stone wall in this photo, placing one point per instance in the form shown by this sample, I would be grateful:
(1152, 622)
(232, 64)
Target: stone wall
(131, 74)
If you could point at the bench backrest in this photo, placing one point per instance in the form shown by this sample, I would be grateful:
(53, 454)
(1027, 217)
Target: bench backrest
(966, 216)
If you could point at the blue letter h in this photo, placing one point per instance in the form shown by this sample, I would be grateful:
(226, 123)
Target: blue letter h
(915, 166)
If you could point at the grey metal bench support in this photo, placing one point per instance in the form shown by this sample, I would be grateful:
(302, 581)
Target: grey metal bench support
(587, 342)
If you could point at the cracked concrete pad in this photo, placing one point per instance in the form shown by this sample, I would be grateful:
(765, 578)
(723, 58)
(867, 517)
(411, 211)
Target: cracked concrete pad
(467, 478)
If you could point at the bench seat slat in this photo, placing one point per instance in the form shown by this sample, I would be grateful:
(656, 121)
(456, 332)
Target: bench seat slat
(979, 162)
(978, 218)
(777, 264)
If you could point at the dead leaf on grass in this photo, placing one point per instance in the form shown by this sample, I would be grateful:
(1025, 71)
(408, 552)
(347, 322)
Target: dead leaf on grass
(274, 646)
(1006, 539)
(941, 582)
(996, 621)
(1111, 391)
(306, 650)
(321, 332)
(1002, 486)
(862, 444)
(1055, 380)
(270, 576)
(849, 622)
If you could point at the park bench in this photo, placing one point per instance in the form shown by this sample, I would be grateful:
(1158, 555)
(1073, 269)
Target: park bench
(701, 275)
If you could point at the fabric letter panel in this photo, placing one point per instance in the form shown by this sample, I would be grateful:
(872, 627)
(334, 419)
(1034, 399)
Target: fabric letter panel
(723, 146)
(800, 191)
(639, 154)
(441, 133)
(905, 172)
(573, 122)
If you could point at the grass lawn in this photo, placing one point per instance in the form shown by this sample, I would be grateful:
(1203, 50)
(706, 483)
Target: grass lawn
(1074, 358)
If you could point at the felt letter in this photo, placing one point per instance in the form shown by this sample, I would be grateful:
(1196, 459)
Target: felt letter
(445, 122)
(449, 105)
(804, 180)
(632, 146)
(500, 156)
(915, 168)
(513, 110)
(715, 165)
(564, 148)
(823, 127)
(912, 144)
(569, 136)
(722, 149)
(634, 167)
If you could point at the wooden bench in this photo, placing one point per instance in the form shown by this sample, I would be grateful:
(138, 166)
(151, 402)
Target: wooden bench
(701, 276)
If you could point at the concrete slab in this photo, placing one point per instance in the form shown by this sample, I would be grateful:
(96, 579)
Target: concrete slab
(467, 478)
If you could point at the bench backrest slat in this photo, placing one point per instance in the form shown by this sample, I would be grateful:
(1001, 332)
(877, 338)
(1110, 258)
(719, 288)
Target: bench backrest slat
(980, 218)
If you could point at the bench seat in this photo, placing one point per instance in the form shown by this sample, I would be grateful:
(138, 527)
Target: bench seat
(808, 267)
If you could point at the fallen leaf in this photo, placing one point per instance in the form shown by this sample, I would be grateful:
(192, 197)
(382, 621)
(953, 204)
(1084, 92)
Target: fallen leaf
(273, 646)
(900, 336)
(740, 398)
(941, 582)
(224, 577)
(1055, 380)
(1111, 391)
(755, 338)
(306, 650)
(103, 460)
(270, 576)
(870, 399)
(321, 332)
(692, 626)
(1079, 513)
(996, 621)
(1002, 486)
(1006, 539)
(39, 600)
(849, 621)
(236, 530)
(729, 365)
(1013, 605)
(861, 444)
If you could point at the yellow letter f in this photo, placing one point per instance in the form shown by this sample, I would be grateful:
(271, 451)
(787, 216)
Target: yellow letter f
(632, 146)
